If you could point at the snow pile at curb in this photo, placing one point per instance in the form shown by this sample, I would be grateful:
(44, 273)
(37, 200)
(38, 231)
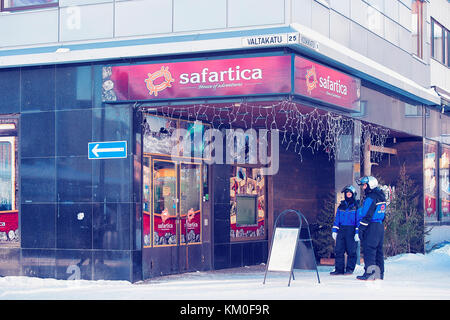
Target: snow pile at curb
(407, 276)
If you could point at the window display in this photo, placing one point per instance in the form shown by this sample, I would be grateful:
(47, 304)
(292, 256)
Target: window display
(444, 186)
(9, 216)
(247, 200)
(430, 184)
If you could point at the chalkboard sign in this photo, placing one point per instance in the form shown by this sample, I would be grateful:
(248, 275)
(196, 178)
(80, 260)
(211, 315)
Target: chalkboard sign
(283, 249)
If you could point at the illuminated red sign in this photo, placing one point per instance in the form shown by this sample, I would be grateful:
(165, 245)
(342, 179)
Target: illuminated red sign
(205, 78)
(231, 77)
(318, 82)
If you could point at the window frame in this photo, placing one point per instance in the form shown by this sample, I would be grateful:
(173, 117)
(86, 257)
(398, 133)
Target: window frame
(445, 50)
(30, 7)
(448, 48)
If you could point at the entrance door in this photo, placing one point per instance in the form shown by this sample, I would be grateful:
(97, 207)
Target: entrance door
(172, 192)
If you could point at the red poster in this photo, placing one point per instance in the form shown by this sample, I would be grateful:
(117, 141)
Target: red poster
(316, 81)
(430, 183)
(164, 229)
(444, 182)
(187, 79)
(146, 229)
(191, 225)
(9, 225)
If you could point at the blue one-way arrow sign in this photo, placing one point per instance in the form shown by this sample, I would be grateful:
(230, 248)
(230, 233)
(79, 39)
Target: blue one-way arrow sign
(107, 150)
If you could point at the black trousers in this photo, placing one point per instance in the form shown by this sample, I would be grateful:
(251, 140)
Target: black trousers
(345, 243)
(372, 245)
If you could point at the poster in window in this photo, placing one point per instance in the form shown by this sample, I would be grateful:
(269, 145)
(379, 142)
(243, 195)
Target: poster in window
(146, 202)
(444, 185)
(247, 202)
(430, 183)
(9, 216)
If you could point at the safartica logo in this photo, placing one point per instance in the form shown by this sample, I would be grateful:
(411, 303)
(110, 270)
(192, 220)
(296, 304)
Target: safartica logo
(153, 88)
(335, 86)
(205, 79)
(311, 79)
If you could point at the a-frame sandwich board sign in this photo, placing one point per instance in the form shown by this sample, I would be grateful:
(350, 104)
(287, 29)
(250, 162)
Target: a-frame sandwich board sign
(284, 255)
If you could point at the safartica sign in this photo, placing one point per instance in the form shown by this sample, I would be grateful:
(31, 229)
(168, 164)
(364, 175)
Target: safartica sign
(318, 82)
(199, 78)
(231, 77)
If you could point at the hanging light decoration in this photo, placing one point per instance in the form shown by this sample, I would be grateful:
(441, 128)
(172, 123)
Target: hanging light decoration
(301, 128)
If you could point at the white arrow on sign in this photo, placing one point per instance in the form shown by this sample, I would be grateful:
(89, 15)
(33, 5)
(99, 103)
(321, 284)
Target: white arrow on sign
(96, 150)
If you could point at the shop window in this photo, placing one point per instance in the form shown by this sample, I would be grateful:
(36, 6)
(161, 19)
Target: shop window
(174, 180)
(247, 200)
(162, 138)
(417, 27)
(439, 48)
(9, 215)
(430, 183)
(444, 183)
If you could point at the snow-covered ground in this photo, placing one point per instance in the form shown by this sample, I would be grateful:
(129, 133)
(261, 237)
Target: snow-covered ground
(408, 276)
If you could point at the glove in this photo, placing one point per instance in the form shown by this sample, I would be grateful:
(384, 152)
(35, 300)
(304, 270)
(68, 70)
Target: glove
(356, 237)
(334, 235)
(362, 231)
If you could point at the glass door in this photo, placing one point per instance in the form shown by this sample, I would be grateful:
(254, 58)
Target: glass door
(165, 203)
(172, 208)
(190, 203)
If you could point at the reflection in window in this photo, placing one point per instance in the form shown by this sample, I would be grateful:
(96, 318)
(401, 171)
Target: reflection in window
(158, 135)
(413, 110)
(9, 216)
(6, 175)
(444, 183)
(437, 41)
(417, 27)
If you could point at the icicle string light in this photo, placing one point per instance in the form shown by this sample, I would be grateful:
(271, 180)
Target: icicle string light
(300, 130)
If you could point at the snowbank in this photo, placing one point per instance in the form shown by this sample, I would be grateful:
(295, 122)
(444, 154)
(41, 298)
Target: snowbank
(407, 276)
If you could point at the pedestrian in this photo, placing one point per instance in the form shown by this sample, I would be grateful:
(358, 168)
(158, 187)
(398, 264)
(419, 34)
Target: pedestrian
(345, 232)
(371, 228)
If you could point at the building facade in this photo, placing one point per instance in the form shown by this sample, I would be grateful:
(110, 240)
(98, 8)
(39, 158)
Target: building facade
(143, 137)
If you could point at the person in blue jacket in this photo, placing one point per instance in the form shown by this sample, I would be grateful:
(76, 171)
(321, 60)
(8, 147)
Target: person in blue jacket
(371, 228)
(345, 232)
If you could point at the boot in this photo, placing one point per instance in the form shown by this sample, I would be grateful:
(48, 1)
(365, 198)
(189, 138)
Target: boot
(336, 273)
(365, 276)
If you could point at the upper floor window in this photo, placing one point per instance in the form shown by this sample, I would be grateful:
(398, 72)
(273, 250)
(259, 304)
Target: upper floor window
(439, 42)
(417, 27)
(10, 5)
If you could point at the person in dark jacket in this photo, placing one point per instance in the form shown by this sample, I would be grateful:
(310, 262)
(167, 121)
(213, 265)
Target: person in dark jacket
(371, 228)
(345, 232)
